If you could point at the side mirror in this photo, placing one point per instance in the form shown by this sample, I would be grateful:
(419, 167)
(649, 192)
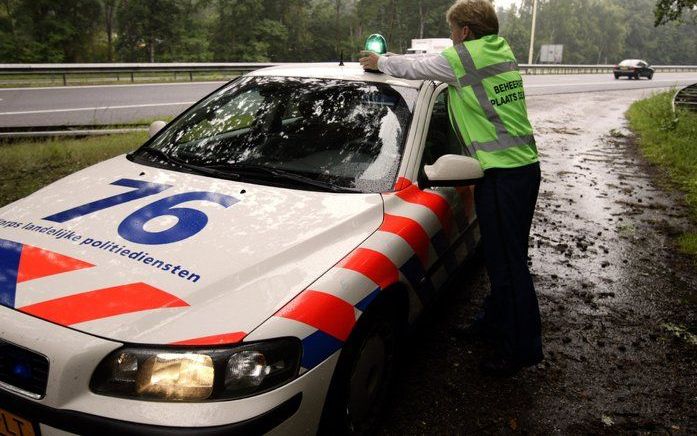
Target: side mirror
(155, 127)
(453, 170)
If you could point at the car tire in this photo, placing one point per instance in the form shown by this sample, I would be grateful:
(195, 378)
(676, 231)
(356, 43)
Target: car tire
(364, 372)
(637, 76)
(650, 76)
(617, 76)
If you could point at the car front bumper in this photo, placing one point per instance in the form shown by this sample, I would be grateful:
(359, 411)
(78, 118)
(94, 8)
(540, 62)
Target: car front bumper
(70, 407)
(50, 420)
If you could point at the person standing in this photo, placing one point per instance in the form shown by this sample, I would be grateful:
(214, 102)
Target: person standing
(486, 103)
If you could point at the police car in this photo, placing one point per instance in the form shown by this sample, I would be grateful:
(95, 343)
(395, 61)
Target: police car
(249, 269)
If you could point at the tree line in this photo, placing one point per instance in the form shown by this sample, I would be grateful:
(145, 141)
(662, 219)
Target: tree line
(592, 31)
(604, 31)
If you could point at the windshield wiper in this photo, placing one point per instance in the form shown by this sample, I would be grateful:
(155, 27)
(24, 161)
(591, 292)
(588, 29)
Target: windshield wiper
(196, 169)
(234, 171)
(159, 153)
(278, 173)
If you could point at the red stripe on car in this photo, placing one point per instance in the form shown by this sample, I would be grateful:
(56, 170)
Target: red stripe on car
(411, 231)
(103, 303)
(323, 311)
(224, 339)
(402, 183)
(35, 263)
(435, 202)
(372, 264)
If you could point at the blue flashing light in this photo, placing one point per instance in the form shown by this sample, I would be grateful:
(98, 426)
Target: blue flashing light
(21, 370)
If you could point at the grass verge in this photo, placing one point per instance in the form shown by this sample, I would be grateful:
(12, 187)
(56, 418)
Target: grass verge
(29, 165)
(670, 141)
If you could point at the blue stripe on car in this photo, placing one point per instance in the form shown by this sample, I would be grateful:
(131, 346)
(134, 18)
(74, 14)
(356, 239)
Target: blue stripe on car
(10, 252)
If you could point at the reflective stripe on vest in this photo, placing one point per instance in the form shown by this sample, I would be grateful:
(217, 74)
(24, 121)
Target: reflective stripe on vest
(503, 149)
(474, 79)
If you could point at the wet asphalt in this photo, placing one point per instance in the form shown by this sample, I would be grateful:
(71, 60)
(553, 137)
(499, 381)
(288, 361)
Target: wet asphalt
(618, 301)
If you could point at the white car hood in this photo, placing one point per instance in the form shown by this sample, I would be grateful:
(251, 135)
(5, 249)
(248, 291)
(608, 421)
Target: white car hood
(249, 260)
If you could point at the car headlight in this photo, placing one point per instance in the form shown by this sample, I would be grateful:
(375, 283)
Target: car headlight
(197, 374)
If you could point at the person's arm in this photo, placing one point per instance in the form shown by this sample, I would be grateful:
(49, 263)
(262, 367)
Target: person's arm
(418, 67)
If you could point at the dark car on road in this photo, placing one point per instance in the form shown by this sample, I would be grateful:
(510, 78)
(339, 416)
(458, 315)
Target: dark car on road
(633, 69)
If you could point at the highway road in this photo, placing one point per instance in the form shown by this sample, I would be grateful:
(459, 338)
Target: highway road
(114, 104)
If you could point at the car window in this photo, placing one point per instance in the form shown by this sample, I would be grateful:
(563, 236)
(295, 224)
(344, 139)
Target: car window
(348, 132)
(228, 118)
(441, 138)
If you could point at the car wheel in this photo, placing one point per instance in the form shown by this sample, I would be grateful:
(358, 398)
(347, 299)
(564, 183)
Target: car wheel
(363, 373)
(637, 76)
(650, 76)
(617, 76)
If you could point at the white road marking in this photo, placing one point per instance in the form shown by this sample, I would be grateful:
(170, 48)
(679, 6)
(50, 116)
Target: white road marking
(78, 109)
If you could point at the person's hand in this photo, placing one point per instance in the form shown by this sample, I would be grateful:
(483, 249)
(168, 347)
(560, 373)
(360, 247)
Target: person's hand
(369, 61)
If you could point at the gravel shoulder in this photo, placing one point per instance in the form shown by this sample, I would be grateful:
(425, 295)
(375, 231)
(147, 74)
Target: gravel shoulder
(618, 302)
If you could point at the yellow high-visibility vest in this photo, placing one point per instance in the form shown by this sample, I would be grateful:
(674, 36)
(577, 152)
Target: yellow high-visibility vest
(488, 108)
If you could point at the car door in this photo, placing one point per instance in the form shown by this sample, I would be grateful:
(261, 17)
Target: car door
(642, 68)
(437, 225)
(438, 139)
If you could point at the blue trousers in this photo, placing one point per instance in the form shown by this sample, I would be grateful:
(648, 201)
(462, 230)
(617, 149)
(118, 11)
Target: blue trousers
(505, 203)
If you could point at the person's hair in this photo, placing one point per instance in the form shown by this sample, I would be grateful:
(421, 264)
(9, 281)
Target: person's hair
(478, 15)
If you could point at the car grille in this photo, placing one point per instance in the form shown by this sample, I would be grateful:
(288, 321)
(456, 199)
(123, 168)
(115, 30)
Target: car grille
(23, 371)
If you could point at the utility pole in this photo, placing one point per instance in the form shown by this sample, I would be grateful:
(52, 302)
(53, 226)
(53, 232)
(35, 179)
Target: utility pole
(532, 31)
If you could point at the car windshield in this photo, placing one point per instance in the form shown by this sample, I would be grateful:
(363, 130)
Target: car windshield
(297, 132)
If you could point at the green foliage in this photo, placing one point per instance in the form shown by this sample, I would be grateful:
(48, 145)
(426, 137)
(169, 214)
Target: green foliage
(600, 32)
(399, 21)
(148, 28)
(592, 31)
(688, 243)
(672, 10)
(48, 30)
(28, 166)
(669, 140)
(243, 33)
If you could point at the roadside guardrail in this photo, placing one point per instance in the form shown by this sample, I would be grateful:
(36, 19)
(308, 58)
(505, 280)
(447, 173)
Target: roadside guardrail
(130, 71)
(596, 69)
(686, 98)
(56, 131)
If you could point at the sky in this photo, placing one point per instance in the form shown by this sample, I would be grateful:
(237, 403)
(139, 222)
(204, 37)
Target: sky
(505, 3)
